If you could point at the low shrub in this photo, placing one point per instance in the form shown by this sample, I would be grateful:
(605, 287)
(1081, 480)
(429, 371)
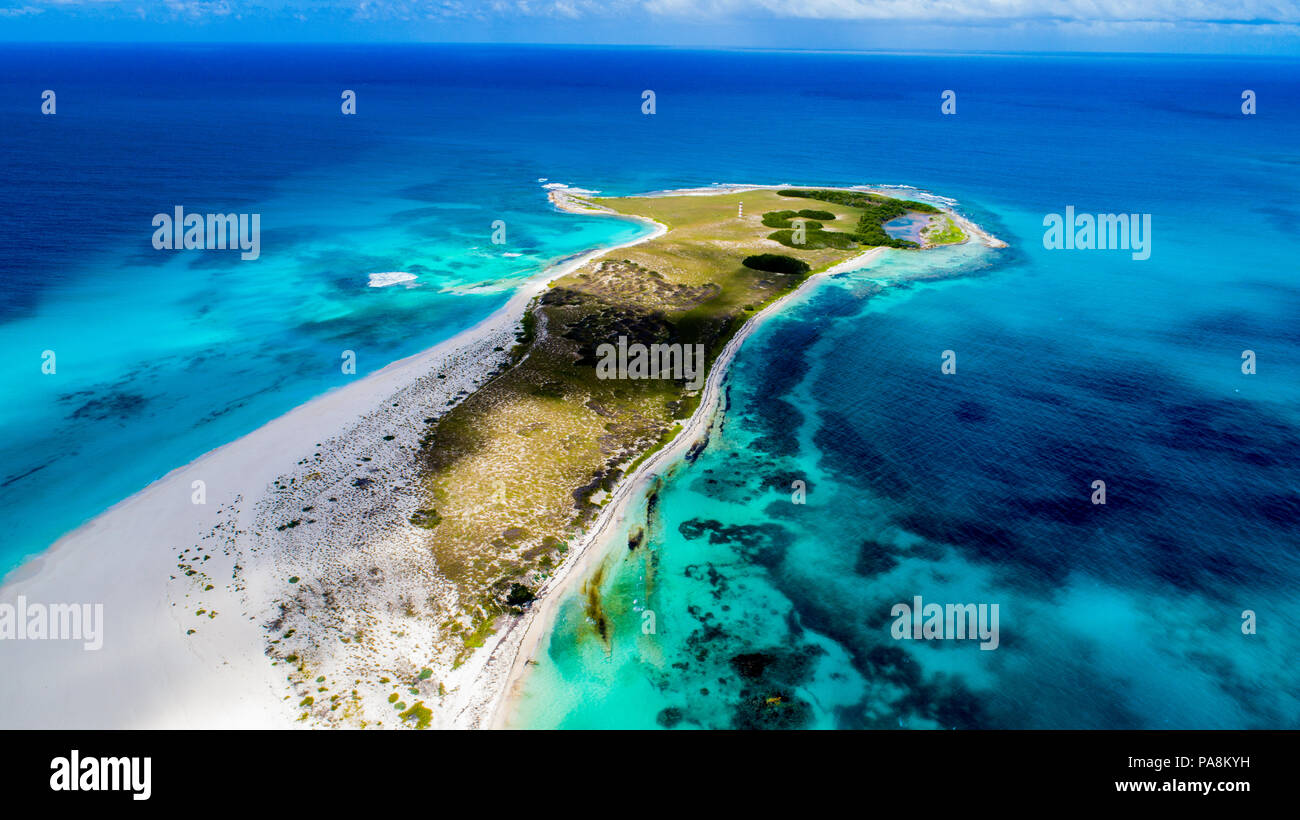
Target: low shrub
(775, 262)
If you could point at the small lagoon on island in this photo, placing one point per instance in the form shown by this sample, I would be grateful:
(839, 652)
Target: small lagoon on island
(908, 226)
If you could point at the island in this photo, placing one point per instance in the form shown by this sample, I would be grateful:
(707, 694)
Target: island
(517, 479)
(519, 470)
(388, 553)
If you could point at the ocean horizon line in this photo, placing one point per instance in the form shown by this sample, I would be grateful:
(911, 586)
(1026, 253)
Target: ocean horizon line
(1252, 56)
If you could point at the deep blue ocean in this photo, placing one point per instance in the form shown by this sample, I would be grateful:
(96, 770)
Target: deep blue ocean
(974, 487)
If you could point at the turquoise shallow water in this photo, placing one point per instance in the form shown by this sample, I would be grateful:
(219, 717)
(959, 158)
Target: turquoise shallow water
(199, 357)
(970, 488)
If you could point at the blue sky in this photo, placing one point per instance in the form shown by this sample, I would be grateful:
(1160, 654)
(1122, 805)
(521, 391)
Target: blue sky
(1179, 26)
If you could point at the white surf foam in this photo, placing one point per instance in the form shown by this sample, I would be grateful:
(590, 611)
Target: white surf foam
(383, 280)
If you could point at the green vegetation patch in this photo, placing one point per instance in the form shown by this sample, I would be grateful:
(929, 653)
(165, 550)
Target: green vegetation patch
(946, 233)
(776, 263)
(428, 519)
(421, 714)
(876, 211)
(782, 219)
(815, 240)
(520, 595)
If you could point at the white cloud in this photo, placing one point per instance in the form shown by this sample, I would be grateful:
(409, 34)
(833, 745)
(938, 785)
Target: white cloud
(934, 12)
(959, 11)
